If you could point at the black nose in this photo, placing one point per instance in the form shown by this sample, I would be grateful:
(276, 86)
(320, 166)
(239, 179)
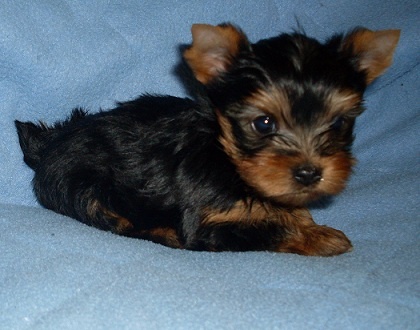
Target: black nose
(307, 175)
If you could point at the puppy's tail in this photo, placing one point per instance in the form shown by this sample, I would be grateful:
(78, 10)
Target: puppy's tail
(34, 137)
(31, 141)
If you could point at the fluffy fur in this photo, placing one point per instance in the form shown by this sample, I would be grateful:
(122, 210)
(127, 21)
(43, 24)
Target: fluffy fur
(272, 131)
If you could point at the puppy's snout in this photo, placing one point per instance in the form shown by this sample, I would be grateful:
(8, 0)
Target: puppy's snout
(307, 174)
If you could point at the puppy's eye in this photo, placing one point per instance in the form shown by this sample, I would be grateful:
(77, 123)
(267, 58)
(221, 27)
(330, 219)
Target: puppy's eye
(264, 125)
(337, 123)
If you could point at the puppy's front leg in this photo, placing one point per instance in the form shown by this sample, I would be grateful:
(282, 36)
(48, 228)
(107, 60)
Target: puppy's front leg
(262, 226)
(306, 237)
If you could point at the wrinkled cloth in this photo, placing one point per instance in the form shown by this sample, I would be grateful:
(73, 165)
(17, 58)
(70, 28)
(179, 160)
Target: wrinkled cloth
(56, 273)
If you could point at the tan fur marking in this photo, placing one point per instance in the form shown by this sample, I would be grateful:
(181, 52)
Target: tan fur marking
(247, 212)
(226, 139)
(342, 102)
(271, 101)
(303, 235)
(212, 50)
(271, 175)
(122, 225)
(307, 238)
(316, 240)
(163, 235)
(336, 172)
(276, 103)
(92, 208)
(374, 48)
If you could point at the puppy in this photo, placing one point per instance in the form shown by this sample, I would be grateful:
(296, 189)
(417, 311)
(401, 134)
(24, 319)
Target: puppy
(271, 131)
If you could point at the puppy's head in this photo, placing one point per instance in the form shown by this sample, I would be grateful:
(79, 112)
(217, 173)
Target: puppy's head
(286, 106)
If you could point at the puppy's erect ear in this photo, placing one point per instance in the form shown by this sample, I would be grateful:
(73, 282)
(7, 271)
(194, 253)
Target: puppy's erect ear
(373, 50)
(213, 49)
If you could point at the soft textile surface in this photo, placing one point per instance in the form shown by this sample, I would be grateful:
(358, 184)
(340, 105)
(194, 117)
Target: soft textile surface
(56, 273)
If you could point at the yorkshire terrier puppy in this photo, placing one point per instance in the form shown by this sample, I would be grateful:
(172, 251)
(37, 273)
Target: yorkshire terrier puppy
(271, 131)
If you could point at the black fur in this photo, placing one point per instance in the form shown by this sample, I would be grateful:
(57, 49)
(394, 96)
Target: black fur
(159, 163)
(172, 140)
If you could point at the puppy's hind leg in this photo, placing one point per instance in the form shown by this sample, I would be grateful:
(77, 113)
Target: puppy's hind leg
(104, 218)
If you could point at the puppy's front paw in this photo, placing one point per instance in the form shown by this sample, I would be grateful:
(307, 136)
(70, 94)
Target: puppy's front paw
(317, 241)
(327, 241)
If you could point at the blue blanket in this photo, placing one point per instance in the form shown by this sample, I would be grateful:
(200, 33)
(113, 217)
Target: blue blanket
(56, 273)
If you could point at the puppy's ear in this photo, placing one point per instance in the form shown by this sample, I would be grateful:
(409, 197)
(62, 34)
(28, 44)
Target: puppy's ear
(214, 49)
(373, 50)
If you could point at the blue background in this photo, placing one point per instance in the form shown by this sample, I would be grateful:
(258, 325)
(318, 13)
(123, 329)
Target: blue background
(56, 273)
